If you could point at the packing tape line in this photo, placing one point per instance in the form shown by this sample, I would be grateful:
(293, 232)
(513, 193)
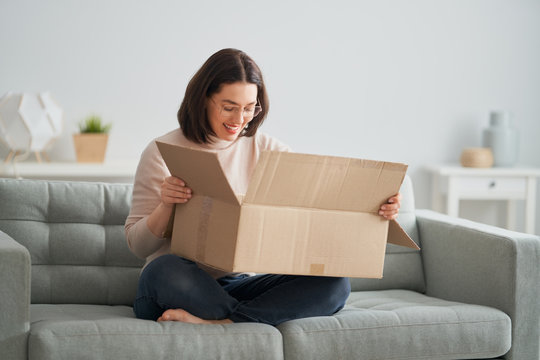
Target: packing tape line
(202, 231)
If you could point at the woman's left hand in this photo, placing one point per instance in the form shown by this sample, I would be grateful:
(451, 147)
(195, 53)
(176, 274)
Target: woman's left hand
(390, 210)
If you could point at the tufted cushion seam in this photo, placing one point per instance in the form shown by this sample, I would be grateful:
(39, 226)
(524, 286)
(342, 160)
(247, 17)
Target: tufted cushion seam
(62, 182)
(92, 265)
(62, 222)
(103, 204)
(483, 353)
(397, 326)
(428, 300)
(49, 203)
(402, 305)
(100, 334)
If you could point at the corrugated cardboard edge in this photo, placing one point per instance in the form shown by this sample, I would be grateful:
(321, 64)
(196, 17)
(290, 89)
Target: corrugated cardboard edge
(211, 181)
(398, 236)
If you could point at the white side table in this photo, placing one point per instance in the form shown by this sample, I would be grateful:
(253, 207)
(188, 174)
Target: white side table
(109, 171)
(458, 183)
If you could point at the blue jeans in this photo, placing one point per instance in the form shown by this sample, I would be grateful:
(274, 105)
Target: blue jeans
(172, 282)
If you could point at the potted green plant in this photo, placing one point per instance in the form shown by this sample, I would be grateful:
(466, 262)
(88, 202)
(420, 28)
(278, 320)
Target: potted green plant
(91, 141)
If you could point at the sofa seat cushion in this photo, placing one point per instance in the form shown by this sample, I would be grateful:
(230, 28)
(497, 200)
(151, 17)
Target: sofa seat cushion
(399, 324)
(112, 332)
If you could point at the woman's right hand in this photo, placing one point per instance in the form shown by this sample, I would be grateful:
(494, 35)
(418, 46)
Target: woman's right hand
(174, 191)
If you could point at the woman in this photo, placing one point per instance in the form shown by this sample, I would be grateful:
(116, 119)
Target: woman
(224, 105)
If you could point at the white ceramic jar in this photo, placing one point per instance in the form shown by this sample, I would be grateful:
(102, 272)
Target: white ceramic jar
(502, 138)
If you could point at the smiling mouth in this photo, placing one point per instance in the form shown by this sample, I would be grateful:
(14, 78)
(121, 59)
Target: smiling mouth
(231, 127)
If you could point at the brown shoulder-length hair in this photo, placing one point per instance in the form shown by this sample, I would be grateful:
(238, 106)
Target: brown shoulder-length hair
(227, 66)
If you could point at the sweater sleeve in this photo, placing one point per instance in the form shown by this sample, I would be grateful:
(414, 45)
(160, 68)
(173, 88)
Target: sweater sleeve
(146, 197)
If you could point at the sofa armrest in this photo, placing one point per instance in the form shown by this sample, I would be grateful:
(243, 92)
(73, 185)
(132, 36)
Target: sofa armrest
(14, 298)
(480, 264)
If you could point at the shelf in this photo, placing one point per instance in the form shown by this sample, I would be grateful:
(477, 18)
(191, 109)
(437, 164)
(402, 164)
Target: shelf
(109, 171)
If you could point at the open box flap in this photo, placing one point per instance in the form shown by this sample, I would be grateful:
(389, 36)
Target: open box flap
(200, 170)
(398, 236)
(323, 182)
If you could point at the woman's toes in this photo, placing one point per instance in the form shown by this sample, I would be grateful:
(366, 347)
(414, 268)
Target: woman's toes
(180, 315)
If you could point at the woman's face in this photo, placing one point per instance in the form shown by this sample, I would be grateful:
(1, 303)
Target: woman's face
(229, 109)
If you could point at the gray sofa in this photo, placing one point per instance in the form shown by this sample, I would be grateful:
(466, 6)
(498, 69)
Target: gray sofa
(68, 282)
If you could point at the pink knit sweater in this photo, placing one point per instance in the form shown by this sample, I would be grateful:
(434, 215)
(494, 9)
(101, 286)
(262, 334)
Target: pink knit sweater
(238, 159)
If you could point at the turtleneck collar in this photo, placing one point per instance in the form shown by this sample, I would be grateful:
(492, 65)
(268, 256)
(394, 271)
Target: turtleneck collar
(219, 144)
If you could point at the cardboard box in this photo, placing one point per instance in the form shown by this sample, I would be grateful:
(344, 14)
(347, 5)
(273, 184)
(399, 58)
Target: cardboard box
(302, 214)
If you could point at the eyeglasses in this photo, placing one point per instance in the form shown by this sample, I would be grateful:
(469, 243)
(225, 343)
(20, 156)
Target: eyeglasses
(229, 111)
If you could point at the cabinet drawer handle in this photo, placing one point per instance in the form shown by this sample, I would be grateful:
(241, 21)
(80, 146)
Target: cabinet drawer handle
(492, 184)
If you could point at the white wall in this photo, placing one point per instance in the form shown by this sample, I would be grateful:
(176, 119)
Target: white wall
(410, 81)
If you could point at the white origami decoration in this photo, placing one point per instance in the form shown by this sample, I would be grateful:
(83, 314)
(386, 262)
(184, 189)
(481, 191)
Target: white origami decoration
(29, 123)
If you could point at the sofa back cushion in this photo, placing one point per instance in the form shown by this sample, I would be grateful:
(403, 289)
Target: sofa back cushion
(74, 232)
(403, 267)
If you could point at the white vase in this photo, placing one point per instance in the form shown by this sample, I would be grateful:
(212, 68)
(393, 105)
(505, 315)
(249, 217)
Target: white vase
(502, 138)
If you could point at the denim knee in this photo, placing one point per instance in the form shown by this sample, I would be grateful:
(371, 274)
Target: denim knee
(167, 271)
(172, 282)
(339, 289)
(151, 299)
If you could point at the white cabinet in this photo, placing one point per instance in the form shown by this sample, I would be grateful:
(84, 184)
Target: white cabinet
(457, 183)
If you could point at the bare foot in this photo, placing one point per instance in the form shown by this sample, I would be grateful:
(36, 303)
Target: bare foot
(184, 316)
